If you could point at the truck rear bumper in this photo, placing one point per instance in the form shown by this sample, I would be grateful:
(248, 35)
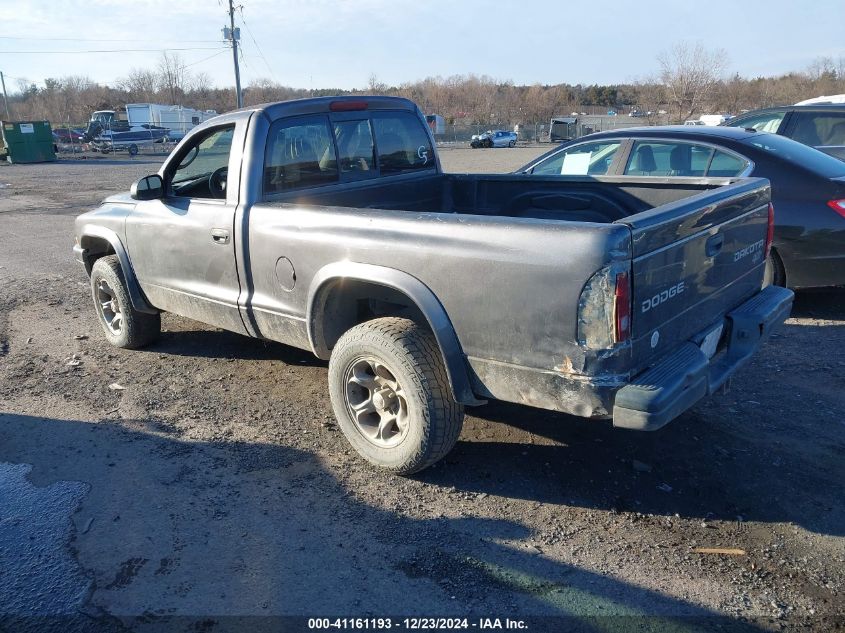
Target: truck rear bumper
(666, 390)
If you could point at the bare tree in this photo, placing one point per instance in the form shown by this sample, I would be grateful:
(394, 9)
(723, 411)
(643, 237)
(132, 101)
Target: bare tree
(650, 96)
(689, 82)
(374, 86)
(261, 90)
(690, 73)
(172, 76)
(141, 84)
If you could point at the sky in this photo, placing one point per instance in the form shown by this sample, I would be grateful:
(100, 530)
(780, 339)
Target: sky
(342, 43)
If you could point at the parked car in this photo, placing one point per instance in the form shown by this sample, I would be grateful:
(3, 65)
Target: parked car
(497, 138)
(327, 224)
(819, 125)
(808, 187)
(65, 135)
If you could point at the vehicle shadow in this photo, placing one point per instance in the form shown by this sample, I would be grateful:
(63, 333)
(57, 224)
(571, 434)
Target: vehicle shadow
(723, 460)
(214, 536)
(825, 303)
(224, 344)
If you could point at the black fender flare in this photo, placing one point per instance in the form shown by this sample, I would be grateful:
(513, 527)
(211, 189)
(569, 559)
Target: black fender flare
(453, 355)
(136, 295)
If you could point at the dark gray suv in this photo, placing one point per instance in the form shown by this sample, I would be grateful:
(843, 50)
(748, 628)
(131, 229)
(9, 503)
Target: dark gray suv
(820, 125)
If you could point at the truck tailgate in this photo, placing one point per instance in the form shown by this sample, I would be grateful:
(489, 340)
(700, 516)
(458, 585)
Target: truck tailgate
(693, 261)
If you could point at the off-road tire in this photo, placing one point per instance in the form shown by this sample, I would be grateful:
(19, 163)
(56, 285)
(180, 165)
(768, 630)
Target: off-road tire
(412, 355)
(137, 328)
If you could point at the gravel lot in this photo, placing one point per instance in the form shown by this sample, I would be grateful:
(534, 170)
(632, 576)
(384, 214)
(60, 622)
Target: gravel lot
(203, 480)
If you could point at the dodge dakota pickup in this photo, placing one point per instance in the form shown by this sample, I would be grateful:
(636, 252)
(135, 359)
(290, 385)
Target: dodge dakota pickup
(327, 224)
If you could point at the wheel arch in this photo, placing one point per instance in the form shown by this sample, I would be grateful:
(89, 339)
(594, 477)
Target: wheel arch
(335, 296)
(96, 242)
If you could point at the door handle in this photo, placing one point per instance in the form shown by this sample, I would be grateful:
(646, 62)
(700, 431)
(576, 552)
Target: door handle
(714, 245)
(220, 236)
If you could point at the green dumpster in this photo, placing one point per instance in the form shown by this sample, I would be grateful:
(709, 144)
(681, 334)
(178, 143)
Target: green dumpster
(28, 141)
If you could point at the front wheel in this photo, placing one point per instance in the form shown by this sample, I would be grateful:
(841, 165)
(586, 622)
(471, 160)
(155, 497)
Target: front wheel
(122, 324)
(512, 144)
(391, 395)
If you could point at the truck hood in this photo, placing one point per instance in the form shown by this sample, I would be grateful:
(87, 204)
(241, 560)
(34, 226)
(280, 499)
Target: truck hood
(119, 198)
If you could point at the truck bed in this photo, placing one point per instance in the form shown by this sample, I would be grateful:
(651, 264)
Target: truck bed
(574, 199)
(483, 241)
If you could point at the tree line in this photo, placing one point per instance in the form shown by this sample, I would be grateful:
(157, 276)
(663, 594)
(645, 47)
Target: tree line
(690, 81)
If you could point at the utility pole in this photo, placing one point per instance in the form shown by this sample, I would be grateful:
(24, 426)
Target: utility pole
(5, 98)
(234, 34)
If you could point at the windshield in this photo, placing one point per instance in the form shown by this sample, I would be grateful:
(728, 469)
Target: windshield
(795, 152)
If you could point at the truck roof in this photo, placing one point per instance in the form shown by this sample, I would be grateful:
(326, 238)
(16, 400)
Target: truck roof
(319, 105)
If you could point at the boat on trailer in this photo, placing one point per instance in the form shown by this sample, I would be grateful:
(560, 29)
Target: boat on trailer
(108, 133)
(142, 124)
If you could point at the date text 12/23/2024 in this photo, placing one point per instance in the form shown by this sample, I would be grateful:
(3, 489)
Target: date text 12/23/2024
(416, 623)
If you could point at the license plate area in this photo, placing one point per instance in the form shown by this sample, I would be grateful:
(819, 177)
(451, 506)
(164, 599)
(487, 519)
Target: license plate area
(710, 340)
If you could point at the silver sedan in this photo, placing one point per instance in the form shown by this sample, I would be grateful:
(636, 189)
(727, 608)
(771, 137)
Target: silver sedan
(497, 138)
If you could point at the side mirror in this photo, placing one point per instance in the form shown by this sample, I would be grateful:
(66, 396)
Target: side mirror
(148, 188)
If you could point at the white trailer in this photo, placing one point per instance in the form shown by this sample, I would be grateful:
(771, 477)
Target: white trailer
(437, 123)
(177, 119)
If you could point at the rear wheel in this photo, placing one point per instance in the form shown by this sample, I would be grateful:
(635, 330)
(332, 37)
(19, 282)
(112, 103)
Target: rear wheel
(774, 274)
(122, 324)
(391, 395)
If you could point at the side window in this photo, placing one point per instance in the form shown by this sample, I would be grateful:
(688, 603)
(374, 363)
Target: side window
(300, 153)
(649, 158)
(586, 159)
(202, 170)
(699, 159)
(354, 146)
(402, 143)
(726, 165)
(768, 122)
(819, 129)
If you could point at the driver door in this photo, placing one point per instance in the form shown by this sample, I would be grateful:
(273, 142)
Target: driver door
(182, 246)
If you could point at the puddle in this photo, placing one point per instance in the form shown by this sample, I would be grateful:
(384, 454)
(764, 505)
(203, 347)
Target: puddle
(40, 576)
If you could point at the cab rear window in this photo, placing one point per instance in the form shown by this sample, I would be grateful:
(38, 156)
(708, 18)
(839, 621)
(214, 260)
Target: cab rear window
(300, 153)
(402, 143)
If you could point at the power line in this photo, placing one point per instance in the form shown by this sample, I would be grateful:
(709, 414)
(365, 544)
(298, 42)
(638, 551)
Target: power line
(100, 39)
(205, 59)
(110, 50)
(252, 37)
(17, 78)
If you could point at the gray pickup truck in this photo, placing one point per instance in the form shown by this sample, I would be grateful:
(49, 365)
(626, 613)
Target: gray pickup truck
(327, 224)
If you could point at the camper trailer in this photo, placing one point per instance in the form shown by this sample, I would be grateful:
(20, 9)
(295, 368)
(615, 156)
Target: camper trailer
(177, 119)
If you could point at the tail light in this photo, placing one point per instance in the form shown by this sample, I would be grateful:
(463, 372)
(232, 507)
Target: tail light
(770, 233)
(622, 308)
(838, 206)
(347, 106)
(604, 309)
